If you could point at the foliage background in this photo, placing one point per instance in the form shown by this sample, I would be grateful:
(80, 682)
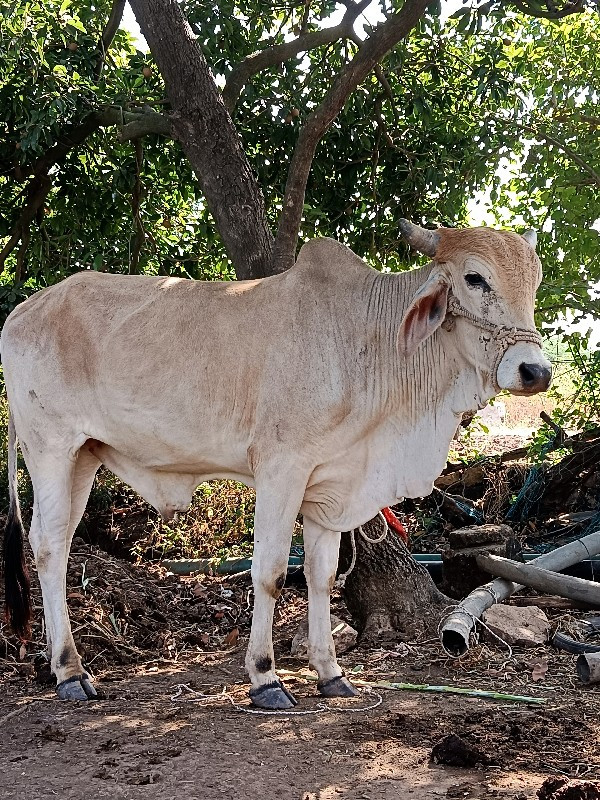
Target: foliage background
(487, 101)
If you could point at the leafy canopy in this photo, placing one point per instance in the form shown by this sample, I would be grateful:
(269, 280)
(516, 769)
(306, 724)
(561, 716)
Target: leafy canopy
(451, 104)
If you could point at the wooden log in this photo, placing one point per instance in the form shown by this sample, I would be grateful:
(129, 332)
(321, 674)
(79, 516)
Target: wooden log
(473, 473)
(464, 476)
(456, 628)
(548, 601)
(542, 579)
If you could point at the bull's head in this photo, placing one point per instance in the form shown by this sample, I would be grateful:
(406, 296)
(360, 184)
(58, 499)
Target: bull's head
(482, 287)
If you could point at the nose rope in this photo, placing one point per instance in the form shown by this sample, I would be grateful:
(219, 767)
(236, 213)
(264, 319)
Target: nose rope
(503, 336)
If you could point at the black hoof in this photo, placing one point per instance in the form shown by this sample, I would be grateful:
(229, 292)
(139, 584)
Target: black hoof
(337, 687)
(79, 687)
(273, 696)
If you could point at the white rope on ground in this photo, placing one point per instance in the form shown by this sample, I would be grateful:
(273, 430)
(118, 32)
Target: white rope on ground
(341, 579)
(200, 697)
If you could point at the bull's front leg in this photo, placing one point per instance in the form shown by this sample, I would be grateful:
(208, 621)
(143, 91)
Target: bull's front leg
(321, 551)
(278, 501)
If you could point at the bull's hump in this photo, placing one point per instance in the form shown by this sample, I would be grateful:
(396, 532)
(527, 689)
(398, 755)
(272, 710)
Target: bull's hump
(326, 258)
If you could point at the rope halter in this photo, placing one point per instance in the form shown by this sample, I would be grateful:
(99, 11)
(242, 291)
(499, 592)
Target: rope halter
(503, 337)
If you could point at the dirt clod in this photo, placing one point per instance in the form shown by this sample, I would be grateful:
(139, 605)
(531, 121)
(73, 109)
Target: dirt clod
(456, 752)
(565, 789)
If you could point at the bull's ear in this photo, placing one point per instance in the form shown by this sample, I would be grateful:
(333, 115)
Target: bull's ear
(424, 315)
(530, 237)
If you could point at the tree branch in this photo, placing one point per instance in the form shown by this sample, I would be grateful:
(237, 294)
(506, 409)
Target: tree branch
(40, 184)
(277, 54)
(567, 150)
(108, 34)
(21, 253)
(134, 125)
(383, 38)
(576, 117)
(72, 136)
(136, 201)
(37, 191)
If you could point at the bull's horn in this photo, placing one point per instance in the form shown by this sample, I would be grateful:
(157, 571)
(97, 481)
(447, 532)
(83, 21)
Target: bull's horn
(421, 239)
(530, 237)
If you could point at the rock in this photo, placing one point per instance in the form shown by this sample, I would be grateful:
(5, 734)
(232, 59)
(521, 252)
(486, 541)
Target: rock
(566, 789)
(460, 571)
(344, 637)
(524, 627)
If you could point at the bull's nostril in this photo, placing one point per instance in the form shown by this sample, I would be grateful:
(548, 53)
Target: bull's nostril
(535, 376)
(528, 374)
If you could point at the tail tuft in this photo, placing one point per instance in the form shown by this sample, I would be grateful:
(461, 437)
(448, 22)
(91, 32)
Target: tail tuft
(16, 576)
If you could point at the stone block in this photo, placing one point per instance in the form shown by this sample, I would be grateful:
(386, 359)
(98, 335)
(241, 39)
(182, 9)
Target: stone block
(522, 627)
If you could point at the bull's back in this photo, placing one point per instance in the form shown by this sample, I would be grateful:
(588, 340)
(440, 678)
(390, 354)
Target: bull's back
(147, 364)
(145, 354)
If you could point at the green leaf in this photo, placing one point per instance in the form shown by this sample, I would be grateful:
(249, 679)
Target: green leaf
(77, 24)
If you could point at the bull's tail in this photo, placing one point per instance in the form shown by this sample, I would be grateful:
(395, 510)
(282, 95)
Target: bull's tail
(16, 575)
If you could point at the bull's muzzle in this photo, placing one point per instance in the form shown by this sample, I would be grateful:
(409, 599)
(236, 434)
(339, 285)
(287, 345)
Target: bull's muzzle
(535, 377)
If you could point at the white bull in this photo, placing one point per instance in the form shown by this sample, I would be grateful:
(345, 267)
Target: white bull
(333, 389)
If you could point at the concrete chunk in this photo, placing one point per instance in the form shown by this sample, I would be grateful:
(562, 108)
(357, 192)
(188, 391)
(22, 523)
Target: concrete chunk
(523, 627)
(475, 535)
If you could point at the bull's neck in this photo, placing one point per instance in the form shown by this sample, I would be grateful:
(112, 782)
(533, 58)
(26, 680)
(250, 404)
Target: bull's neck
(426, 384)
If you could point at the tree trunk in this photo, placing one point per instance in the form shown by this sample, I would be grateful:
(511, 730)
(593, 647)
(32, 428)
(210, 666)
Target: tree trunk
(387, 591)
(208, 137)
(389, 595)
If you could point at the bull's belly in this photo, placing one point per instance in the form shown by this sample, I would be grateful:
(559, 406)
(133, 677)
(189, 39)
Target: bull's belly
(169, 490)
(165, 463)
(174, 444)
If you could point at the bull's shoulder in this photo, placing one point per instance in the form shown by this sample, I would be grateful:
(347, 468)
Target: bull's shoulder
(326, 259)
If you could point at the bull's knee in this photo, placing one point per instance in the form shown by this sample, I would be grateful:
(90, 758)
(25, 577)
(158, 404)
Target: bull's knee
(42, 557)
(272, 586)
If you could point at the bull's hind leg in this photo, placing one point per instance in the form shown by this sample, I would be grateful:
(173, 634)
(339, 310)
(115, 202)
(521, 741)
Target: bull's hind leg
(277, 504)
(61, 490)
(321, 550)
(86, 467)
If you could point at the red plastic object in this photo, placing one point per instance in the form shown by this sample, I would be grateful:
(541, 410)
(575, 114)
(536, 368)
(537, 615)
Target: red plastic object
(395, 524)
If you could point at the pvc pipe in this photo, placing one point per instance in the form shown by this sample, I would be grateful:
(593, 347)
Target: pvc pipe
(431, 561)
(588, 667)
(456, 628)
(229, 566)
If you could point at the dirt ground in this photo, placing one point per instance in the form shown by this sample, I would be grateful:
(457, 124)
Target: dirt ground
(146, 635)
(138, 743)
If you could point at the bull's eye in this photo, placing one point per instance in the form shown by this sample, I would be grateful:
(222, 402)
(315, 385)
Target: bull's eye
(475, 281)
